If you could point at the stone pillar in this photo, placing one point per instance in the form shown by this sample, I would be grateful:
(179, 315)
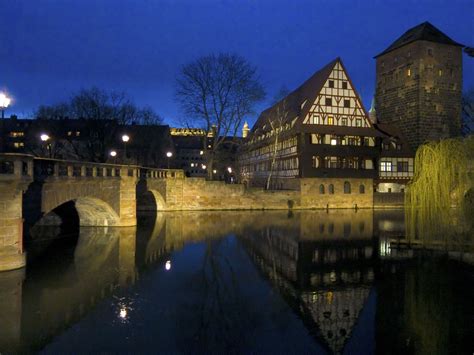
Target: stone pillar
(128, 201)
(12, 185)
(11, 225)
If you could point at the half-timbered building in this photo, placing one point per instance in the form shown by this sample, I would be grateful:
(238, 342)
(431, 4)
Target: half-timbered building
(319, 130)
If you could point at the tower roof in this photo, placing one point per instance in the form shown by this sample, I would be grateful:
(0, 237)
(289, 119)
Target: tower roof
(422, 32)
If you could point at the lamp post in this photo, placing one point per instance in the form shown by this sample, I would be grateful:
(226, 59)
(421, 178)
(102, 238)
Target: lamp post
(45, 138)
(169, 155)
(125, 139)
(113, 154)
(4, 103)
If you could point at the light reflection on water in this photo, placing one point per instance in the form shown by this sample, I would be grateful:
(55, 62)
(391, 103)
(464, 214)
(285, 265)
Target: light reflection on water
(265, 282)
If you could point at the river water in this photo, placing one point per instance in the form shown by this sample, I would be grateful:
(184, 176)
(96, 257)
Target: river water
(236, 282)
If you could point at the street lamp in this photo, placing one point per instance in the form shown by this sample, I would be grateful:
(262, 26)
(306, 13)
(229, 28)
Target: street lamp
(4, 103)
(113, 154)
(45, 138)
(125, 139)
(169, 155)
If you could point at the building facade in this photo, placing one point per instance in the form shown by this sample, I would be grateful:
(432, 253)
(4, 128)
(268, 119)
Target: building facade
(320, 130)
(419, 85)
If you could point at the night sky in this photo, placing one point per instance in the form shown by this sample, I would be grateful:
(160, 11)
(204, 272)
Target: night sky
(50, 49)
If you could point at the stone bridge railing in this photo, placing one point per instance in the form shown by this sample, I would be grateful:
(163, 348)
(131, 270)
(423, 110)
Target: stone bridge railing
(44, 167)
(17, 166)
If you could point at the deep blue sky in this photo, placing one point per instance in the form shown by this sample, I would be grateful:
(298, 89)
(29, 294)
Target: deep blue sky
(52, 48)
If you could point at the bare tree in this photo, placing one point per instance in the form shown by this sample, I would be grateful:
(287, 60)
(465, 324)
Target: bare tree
(216, 92)
(276, 123)
(104, 112)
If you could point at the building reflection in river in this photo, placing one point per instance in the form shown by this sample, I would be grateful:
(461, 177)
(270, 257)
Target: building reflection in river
(325, 266)
(325, 273)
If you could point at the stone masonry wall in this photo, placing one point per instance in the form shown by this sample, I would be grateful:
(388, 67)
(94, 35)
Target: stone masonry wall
(199, 194)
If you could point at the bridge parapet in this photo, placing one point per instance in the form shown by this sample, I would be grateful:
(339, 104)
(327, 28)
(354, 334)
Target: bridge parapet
(45, 168)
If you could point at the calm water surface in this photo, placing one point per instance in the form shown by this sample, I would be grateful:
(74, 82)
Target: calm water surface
(236, 282)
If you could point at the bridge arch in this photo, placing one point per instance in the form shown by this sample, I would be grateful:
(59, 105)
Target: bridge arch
(150, 200)
(83, 211)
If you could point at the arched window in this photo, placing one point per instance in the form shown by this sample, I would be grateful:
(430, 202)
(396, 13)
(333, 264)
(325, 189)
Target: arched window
(362, 189)
(331, 189)
(347, 187)
(321, 189)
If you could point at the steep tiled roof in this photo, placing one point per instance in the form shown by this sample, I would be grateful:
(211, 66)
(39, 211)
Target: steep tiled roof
(423, 32)
(292, 104)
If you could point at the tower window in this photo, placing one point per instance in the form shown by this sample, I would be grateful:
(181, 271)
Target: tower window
(440, 72)
(409, 72)
(344, 85)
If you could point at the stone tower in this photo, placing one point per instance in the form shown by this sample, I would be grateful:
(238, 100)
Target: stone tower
(419, 85)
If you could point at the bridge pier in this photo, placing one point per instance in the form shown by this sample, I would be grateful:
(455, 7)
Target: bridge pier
(16, 173)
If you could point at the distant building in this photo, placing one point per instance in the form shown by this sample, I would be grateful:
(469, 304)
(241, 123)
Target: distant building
(190, 152)
(321, 129)
(419, 85)
(91, 140)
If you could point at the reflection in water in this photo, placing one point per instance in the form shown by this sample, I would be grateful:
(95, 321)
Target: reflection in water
(266, 282)
(324, 274)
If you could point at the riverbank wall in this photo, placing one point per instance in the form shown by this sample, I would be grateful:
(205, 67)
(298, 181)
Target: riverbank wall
(189, 194)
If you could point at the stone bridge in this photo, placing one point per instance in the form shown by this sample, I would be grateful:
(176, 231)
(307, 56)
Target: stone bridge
(37, 191)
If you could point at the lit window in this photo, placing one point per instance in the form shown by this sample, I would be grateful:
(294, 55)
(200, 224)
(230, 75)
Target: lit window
(344, 85)
(347, 103)
(315, 119)
(409, 72)
(385, 166)
(330, 120)
(333, 141)
(328, 101)
(316, 162)
(18, 144)
(17, 134)
(78, 133)
(69, 133)
(440, 72)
